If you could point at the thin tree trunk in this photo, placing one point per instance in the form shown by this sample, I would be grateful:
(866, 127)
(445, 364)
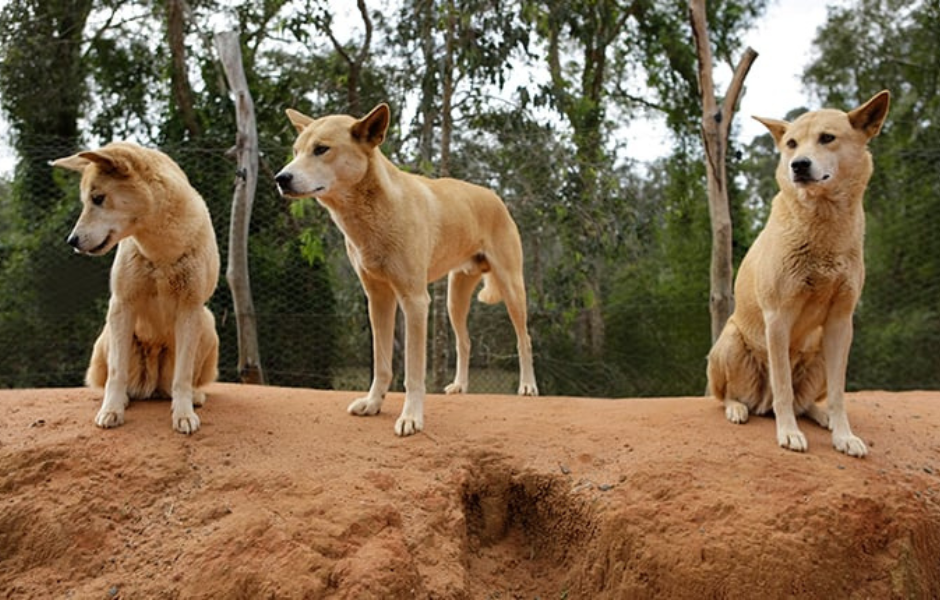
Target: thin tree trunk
(354, 63)
(716, 127)
(246, 152)
(441, 340)
(182, 91)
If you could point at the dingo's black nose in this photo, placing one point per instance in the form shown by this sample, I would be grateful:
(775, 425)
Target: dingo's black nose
(283, 179)
(72, 240)
(801, 165)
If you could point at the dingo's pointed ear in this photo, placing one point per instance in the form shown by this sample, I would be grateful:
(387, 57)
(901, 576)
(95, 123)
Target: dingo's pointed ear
(72, 163)
(869, 117)
(776, 127)
(372, 127)
(112, 163)
(299, 120)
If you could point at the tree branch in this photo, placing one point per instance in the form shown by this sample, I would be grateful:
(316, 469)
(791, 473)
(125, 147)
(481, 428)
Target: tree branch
(735, 88)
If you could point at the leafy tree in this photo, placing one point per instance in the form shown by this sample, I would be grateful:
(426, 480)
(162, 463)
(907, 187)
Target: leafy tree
(46, 294)
(607, 58)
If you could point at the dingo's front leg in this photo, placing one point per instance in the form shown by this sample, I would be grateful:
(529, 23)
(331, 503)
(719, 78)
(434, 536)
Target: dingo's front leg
(120, 326)
(415, 308)
(777, 330)
(837, 339)
(185, 419)
(382, 318)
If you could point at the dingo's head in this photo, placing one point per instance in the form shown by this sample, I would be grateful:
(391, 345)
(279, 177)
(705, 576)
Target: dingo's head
(114, 198)
(331, 153)
(827, 149)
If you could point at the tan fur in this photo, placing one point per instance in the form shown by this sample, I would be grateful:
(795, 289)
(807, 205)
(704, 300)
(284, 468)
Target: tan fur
(159, 338)
(403, 231)
(786, 346)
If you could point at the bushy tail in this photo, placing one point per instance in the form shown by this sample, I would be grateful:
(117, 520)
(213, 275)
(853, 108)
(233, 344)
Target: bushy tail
(490, 293)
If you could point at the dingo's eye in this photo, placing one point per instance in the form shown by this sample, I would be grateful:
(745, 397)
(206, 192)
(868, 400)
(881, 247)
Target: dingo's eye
(320, 150)
(97, 199)
(825, 138)
(791, 143)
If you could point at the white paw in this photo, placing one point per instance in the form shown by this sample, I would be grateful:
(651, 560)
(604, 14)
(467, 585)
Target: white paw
(792, 440)
(199, 398)
(851, 445)
(364, 406)
(528, 389)
(108, 417)
(736, 412)
(186, 422)
(455, 388)
(408, 425)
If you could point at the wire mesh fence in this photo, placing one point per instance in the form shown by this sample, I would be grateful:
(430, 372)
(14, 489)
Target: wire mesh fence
(313, 323)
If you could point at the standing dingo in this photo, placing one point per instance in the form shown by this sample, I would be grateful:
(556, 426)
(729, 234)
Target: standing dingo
(403, 231)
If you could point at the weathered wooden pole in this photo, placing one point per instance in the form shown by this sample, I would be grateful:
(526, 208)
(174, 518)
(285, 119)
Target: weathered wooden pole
(246, 178)
(716, 128)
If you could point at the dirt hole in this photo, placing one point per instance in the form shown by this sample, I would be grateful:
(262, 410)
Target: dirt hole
(526, 524)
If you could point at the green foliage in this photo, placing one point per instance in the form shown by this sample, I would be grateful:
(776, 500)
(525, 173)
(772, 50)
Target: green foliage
(657, 315)
(47, 291)
(44, 289)
(616, 253)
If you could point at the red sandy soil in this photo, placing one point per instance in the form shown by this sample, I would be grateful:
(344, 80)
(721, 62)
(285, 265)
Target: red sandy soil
(282, 494)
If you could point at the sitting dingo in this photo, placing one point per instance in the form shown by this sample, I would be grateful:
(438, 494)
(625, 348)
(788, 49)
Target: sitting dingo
(786, 345)
(403, 231)
(159, 338)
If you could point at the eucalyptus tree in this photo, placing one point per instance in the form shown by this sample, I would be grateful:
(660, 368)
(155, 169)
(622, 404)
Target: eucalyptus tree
(42, 90)
(457, 51)
(609, 60)
(46, 294)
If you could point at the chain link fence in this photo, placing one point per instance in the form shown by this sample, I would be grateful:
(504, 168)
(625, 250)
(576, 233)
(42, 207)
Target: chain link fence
(313, 323)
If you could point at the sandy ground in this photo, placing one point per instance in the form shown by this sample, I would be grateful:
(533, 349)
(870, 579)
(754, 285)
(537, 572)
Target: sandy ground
(281, 494)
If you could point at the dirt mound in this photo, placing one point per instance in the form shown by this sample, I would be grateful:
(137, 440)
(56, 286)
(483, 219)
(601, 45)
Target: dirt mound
(281, 494)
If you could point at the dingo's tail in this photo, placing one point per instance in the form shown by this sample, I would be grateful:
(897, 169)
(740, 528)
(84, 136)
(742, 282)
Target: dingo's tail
(490, 293)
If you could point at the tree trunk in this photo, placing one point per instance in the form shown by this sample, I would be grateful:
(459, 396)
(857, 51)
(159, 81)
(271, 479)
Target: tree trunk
(716, 127)
(246, 178)
(585, 114)
(354, 63)
(182, 91)
(441, 341)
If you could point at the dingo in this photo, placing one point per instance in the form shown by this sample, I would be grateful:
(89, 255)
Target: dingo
(159, 338)
(403, 231)
(786, 346)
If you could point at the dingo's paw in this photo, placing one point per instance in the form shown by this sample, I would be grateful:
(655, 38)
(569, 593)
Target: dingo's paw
(528, 389)
(792, 439)
(186, 422)
(455, 388)
(199, 398)
(365, 406)
(109, 417)
(850, 444)
(408, 425)
(735, 411)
